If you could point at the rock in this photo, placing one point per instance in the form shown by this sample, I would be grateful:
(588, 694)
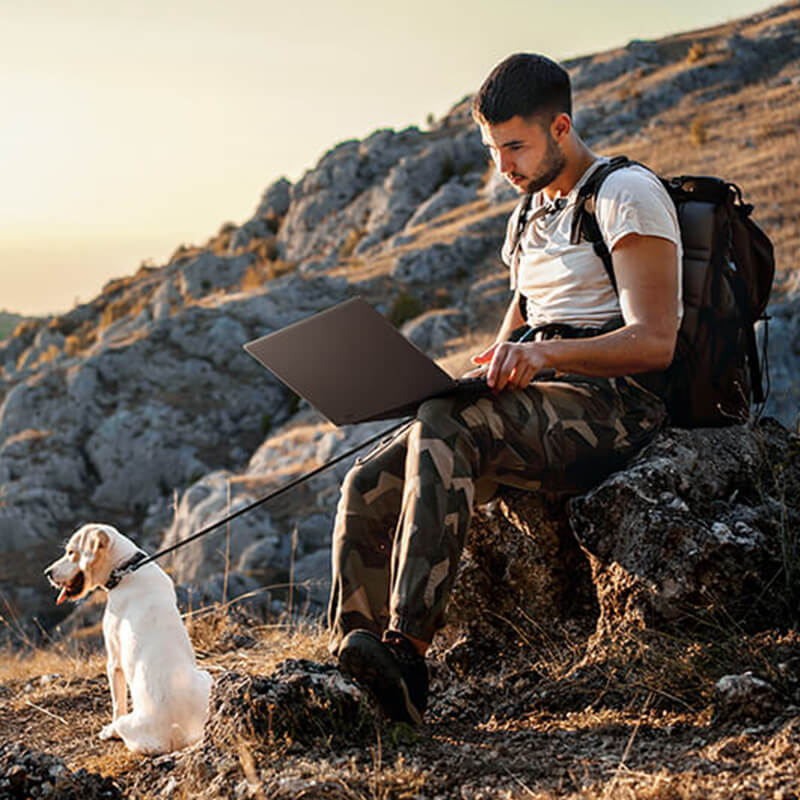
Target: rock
(444, 262)
(451, 195)
(164, 299)
(201, 506)
(302, 701)
(522, 568)
(33, 774)
(276, 199)
(692, 529)
(416, 177)
(498, 190)
(688, 533)
(431, 330)
(201, 275)
(745, 697)
(783, 358)
(257, 228)
(312, 582)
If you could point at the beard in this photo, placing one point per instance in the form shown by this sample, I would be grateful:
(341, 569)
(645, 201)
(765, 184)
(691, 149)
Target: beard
(551, 167)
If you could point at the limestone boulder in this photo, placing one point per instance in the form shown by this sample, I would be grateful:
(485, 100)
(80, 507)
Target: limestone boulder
(699, 529)
(201, 275)
(430, 331)
(443, 262)
(783, 351)
(276, 199)
(700, 526)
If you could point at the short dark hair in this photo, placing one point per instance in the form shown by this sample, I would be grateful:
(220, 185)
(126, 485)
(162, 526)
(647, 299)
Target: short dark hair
(524, 85)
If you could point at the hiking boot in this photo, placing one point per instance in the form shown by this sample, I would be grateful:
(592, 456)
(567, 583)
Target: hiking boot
(391, 668)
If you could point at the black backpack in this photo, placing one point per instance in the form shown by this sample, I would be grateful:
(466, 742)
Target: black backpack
(728, 268)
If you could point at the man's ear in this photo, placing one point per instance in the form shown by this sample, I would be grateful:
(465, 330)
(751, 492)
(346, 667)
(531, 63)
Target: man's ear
(560, 126)
(98, 541)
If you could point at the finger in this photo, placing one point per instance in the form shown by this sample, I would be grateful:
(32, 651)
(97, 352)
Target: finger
(474, 373)
(525, 378)
(485, 356)
(502, 365)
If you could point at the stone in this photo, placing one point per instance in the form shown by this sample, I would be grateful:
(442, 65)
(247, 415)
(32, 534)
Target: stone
(783, 353)
(431, 331)
(276, 199)
(522, 568)
(745, 697)
(301, 701)
(692, 529)
(206, 272)
(451, 195)
(444, 262)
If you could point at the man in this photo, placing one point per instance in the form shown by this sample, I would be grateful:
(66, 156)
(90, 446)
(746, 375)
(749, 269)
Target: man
(405, 509)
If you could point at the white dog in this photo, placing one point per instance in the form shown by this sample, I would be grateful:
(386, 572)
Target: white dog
(147, 645)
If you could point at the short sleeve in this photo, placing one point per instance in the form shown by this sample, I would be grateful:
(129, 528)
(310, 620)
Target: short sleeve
(633, 200)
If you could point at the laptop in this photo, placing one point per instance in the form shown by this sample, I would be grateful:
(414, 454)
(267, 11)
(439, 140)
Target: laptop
(353, 366)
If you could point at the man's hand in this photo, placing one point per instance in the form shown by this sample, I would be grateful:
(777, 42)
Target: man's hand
(511, 365)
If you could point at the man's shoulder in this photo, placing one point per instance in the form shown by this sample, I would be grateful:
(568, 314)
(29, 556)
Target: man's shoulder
(632, 179)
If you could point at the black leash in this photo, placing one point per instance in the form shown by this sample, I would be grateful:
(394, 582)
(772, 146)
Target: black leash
(138, 563)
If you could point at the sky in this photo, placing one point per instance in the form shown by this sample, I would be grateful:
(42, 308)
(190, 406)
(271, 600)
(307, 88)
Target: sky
(127, 129)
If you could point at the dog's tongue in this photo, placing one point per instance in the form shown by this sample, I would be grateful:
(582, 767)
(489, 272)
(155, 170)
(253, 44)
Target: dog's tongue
(62, 596)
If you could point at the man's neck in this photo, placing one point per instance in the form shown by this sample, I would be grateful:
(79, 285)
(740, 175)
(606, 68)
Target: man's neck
(579, 159)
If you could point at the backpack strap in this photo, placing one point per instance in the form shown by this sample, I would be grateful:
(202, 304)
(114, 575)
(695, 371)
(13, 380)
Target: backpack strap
(584, 221)
(522, 221)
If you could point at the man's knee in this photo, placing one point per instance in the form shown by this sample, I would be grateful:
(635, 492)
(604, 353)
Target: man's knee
(436, 414)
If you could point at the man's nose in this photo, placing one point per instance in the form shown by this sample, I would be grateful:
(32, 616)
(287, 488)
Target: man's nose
(505, 163)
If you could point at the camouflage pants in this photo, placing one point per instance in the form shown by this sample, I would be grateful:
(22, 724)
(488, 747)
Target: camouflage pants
(405, 508)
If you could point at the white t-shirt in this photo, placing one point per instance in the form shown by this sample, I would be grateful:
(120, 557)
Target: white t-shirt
(568, 283)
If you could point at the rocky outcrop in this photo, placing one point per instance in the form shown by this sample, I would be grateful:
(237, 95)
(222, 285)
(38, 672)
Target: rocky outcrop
(110, 434)
(783, 354)
(701, 526)
(699, 530)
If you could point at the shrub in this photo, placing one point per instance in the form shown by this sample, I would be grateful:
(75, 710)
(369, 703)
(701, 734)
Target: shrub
(698, 132)
(350, 243)
(696, 52)
(261, 272)
(114, 310)
(405, 307)
(72, 345)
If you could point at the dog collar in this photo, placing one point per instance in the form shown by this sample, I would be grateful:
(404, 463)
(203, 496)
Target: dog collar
(120, 572)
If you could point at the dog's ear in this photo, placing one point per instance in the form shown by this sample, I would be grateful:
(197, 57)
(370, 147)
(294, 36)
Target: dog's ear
(98, 541)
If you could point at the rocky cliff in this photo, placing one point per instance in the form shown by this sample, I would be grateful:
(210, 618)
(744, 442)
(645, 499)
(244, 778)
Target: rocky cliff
(141, 409)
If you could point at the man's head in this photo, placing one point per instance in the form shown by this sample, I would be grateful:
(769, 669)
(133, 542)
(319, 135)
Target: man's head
(523, 109)
(523, 85)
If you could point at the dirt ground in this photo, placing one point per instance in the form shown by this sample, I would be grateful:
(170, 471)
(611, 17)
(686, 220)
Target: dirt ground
(516, 727)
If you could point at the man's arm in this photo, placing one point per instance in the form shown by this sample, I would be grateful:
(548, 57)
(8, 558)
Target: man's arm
(646, 271)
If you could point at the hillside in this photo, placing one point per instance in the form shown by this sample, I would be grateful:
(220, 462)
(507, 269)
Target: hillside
(140, 409)
(8, 322)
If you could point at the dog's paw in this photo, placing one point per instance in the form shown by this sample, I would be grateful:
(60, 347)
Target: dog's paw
(109, 732)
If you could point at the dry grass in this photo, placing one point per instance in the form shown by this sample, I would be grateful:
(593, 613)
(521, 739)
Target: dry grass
(264, 271)
(611, 729)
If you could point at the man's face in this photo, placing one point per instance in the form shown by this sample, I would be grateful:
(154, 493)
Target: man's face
(524, 152)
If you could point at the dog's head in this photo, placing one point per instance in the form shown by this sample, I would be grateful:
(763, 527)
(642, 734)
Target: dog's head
(87, 563)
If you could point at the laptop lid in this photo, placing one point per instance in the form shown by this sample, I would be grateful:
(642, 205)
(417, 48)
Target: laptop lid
(351, 364)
